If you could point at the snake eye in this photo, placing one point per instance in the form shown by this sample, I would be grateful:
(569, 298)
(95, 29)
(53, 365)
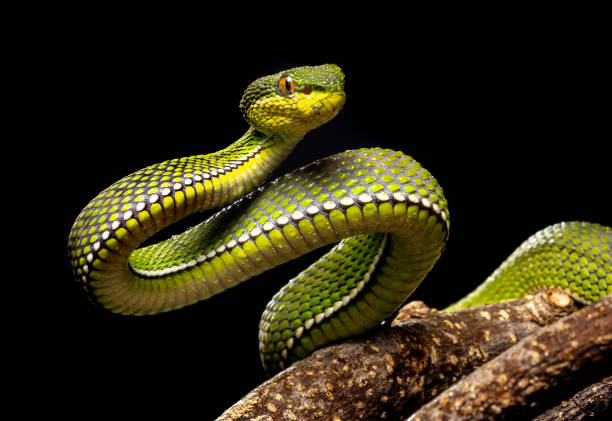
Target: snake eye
(287, 85)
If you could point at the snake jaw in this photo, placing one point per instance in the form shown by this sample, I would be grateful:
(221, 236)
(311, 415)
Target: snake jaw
(319, 108)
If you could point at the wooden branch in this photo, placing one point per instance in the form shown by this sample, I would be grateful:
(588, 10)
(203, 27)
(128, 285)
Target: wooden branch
(520, 376)
(591, 401)
(391, 372)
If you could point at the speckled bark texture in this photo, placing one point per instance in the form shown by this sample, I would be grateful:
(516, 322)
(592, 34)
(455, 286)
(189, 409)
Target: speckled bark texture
(507, 386)
(592, 401)
(391, 372)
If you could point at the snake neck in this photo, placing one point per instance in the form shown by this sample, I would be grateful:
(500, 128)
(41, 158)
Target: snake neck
(141, 204)
(251, 159)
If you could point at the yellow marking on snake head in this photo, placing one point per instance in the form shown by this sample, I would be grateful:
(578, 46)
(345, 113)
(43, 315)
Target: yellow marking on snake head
(295, 101)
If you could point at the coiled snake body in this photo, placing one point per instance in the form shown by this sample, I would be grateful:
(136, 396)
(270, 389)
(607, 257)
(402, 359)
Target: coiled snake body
(387, 214)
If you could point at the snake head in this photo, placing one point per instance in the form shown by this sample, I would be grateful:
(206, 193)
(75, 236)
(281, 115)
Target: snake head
(292, 102)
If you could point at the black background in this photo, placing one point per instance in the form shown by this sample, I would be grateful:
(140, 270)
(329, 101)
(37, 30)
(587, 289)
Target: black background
(510, 123)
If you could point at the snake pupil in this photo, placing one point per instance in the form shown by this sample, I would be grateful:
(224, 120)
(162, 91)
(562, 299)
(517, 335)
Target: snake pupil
(287, 85)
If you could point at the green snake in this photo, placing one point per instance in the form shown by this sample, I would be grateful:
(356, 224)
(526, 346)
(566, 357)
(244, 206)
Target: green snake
(385, 213)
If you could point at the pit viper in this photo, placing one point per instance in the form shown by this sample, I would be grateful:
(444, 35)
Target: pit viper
(385, 215)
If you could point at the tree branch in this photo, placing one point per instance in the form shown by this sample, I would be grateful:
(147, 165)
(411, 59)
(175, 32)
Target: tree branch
(591, 401)
(520, 376)
(393, 371)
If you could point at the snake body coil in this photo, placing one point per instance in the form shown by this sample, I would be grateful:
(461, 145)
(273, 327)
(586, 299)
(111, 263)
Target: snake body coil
(387, 214)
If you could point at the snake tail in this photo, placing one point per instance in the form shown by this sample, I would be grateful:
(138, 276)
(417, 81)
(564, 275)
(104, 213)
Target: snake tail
(575, 256)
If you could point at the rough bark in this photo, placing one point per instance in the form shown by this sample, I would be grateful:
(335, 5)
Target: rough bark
(592, 401)
(391, 372)
(521, 376)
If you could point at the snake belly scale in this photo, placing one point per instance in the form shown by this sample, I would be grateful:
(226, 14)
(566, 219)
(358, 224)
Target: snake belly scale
(385, 213)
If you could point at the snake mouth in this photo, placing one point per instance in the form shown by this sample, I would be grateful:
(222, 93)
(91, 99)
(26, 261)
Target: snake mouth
(336, 100)
(324, 109)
